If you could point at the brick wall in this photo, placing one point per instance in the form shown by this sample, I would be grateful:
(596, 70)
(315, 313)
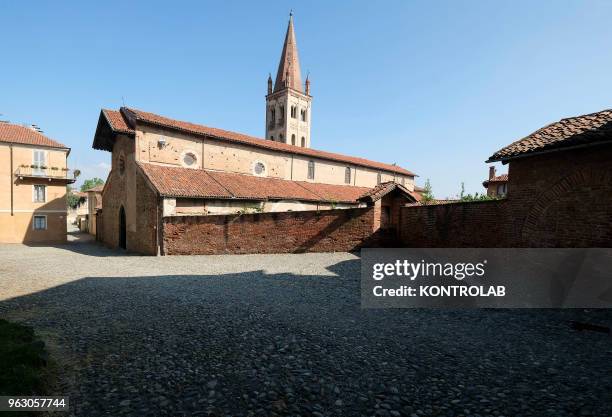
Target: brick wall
(286, 232)
(557, 199)
(563, 198)
(478, 224)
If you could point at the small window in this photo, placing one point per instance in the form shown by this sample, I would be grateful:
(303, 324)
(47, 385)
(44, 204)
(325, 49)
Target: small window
(280, 137)
(403, 181)
(347, 175)
(259, 168)
(121, 164)
(189, 159)
(303, 142)
(293, 140)
(303, 115)
(40, 222)
(378, 178)
(311, 170)
(282, 113)
(40, 193)
(271, 137)
(294, 112)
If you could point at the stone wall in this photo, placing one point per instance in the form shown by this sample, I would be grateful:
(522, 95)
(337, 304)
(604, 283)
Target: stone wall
(290, 232)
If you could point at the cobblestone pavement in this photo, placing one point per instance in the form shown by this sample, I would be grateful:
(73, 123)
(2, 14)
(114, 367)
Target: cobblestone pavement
(285, 335)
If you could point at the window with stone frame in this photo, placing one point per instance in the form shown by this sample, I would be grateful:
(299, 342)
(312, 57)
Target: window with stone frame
(40, 193)
(347, 175)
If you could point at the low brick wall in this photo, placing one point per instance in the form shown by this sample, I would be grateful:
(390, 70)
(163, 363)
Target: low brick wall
(468, 224)
(288, 232)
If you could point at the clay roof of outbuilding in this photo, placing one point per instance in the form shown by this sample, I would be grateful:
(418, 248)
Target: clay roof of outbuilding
(12, 133)
(587, 129)
(385, 188)
(499, 178)
(198, 183)
(123, 122)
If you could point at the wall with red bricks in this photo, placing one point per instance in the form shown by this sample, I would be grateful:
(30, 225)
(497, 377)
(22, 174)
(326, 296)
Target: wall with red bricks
(285, 232)
(557, 199)
(479, 224)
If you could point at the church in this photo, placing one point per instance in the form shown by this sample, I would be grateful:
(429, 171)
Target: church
(162, 167)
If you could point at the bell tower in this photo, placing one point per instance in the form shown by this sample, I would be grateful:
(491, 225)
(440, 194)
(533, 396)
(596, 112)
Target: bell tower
(288, 102)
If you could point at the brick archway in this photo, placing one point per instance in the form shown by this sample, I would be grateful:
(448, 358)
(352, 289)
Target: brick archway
(570, 212)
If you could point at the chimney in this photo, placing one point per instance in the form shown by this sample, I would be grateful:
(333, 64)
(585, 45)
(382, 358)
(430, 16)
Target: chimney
(491, 172)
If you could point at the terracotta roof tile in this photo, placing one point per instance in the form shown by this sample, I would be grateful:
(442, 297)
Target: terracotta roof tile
(385, 188)
(127, 114)
(579, 130)
(499, 178)
(96, 189)
(335, 193)
(197, 183)
(26, 136)
(262, 188)
(117, 122)
(183, 182)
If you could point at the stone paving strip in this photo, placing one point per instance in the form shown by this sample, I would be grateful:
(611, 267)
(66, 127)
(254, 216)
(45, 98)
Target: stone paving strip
(284, 335)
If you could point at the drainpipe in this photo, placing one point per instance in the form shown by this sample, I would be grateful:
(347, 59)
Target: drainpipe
(11, 177)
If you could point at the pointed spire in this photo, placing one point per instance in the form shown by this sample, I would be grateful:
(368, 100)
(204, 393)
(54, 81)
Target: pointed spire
(269, 83)
(288, 74)
(307, 85)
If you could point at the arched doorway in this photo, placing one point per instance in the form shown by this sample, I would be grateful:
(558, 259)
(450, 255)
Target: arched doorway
(122, 231)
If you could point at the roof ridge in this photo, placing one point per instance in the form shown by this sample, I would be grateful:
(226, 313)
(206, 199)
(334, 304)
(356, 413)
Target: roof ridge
(224, 134)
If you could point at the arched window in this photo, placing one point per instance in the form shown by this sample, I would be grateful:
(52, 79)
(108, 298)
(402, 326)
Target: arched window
(282, 112)
(347, 175)
(272, 137)
(294, 112)
(280, 137)
(293, 140)
(378, 178)
(311, 168)
(272, 117)
(303, 115)
(303, 142)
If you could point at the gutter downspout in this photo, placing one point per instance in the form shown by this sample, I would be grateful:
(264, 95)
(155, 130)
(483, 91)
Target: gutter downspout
(12, 182)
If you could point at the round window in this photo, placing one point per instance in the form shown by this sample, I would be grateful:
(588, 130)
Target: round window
(259, 168)
(189, 159)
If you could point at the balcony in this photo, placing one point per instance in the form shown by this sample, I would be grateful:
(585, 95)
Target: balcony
(50, 173)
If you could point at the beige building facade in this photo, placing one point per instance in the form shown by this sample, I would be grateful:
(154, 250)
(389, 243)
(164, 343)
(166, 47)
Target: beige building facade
(33, 175)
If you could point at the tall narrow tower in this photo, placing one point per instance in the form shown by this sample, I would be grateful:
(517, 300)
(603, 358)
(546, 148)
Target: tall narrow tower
(287, 102)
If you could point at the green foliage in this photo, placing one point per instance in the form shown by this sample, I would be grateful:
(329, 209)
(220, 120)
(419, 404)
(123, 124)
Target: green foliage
(71, 199)
(91, 183)
(427, 194)
(22, 360)
(476, 197)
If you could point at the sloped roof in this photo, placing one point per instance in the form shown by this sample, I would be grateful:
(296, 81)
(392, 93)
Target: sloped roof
(12, 133)
(198, 183)
(499, 178)
(385, 188)
(289, 65)
(587, 129)
(123, 121)
(96, 189)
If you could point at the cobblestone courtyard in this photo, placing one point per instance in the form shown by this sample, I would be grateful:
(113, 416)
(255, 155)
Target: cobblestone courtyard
(285, 335)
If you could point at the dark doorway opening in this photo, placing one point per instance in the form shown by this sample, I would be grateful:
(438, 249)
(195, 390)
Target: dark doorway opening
(122, 231)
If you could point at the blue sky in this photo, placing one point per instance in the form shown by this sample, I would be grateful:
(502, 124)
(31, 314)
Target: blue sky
(436, 87)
